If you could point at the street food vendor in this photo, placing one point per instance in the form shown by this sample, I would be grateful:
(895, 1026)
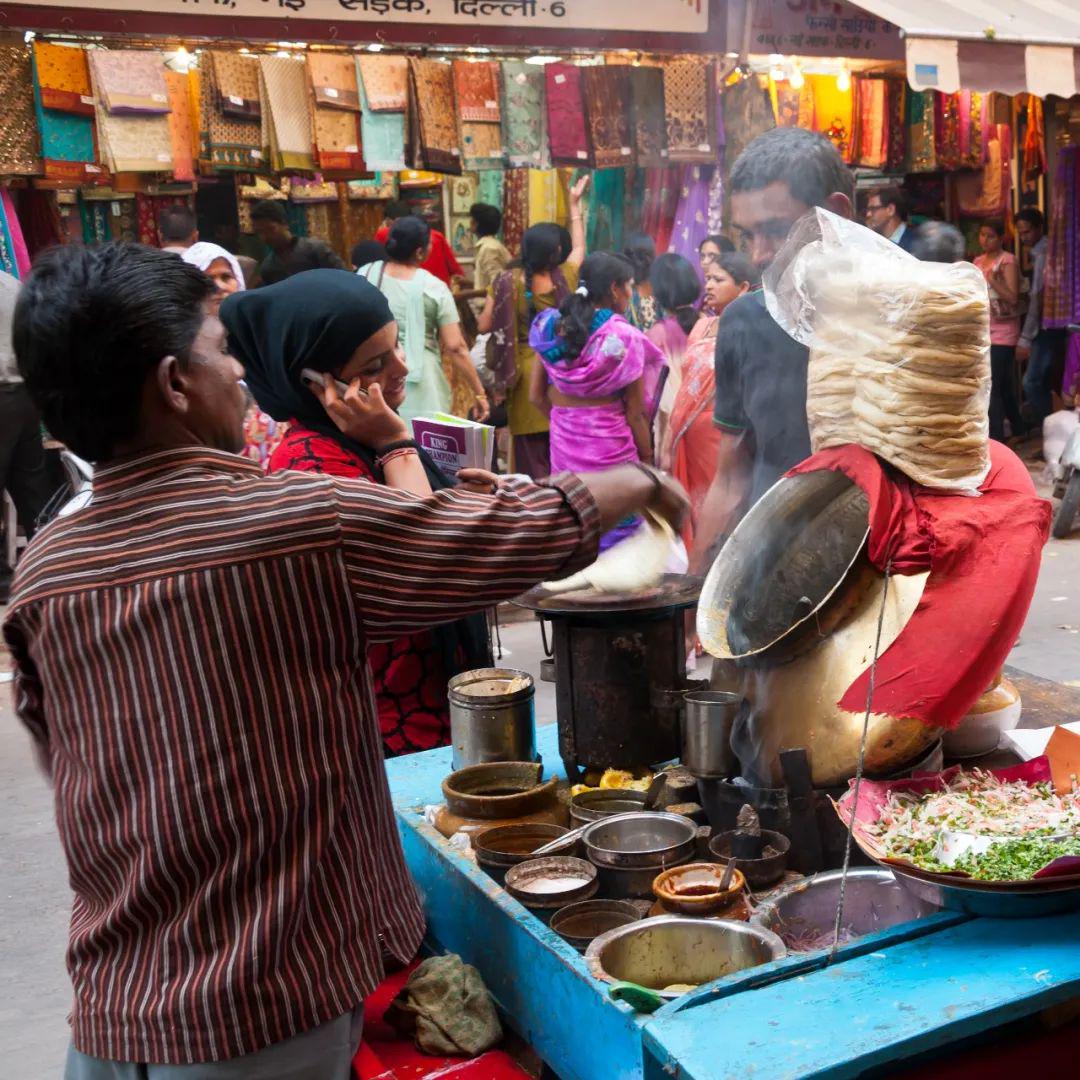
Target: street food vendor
(191, 660)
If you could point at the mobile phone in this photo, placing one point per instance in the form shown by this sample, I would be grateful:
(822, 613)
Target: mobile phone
(318, 378)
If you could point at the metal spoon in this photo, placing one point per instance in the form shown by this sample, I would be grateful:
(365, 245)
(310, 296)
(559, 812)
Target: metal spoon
(567, 840)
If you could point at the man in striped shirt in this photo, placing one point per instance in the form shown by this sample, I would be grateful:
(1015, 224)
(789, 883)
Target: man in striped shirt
(190, 655)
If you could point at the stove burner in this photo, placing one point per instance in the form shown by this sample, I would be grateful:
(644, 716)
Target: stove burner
(674, 591)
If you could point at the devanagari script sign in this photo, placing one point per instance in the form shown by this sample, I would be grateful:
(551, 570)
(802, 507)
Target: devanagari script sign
(662, 16)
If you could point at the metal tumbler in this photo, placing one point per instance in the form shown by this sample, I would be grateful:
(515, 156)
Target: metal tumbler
(708, 718)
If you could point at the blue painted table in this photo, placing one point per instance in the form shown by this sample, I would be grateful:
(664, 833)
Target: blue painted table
(888, 997)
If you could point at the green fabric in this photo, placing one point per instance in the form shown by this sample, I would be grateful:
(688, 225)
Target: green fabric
(491, 183)
(421, 305)
(446, 1007)
(381, 133)
(607, 210)
(524, 117)
(64, 136)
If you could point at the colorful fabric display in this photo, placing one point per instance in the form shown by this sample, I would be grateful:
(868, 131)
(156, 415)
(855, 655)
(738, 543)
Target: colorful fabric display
(129, 81)
(567, 127)
(524, 116)
(286, 118)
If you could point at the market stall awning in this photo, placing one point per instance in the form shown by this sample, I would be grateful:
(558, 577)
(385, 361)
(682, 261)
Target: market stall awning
(1008, 45)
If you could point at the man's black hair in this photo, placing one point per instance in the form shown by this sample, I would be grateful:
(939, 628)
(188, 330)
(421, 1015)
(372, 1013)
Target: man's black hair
(488, 218)
(270, 210)
(1033, 217)
(90, 325)
(177, 224)
(311, 253)
(396, 210)
(895, 196)
(805, 161)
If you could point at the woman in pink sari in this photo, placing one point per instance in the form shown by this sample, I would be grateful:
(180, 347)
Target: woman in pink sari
(690, 449)
(599, 378)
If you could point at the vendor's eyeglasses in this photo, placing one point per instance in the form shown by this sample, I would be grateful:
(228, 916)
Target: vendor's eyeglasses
(873, 208)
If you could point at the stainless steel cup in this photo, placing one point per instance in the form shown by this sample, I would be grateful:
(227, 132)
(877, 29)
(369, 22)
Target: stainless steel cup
(708, 717)
(492, 716)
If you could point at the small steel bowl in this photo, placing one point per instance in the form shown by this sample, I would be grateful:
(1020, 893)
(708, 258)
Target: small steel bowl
(503, 846)
(580, 923)
(641, 840)
(759, 873)
(598, 803)
(672, 949)
(547, 884)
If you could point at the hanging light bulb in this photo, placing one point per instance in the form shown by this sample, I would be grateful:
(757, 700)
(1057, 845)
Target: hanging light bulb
(843, 79)
(796, 80)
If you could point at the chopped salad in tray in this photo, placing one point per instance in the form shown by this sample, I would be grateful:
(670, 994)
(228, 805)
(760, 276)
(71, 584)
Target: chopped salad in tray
(1004, 827)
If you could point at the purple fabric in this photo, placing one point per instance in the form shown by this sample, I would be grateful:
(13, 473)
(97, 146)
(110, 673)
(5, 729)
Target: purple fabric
(692, 215)
(1070, 384)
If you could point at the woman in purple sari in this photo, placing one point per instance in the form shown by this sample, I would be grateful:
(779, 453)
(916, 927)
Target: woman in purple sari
(599, 378)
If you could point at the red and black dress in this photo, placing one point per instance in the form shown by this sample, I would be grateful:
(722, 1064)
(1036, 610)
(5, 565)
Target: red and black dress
(410, 673)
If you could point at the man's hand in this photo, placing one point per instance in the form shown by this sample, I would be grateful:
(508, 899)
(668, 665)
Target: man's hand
(478, 481)
(363, 415)
(1023, 352)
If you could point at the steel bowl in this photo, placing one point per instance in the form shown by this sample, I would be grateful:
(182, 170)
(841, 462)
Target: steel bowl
(545, 885)
(993, 902)
(640, 840)
(672, 949)
(598, 803)
(632, 883)
(499, 848)
(758, 872)
(580, 923)
(873, 900)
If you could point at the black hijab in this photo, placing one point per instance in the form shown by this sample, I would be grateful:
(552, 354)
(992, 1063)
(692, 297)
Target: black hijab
(317, 320)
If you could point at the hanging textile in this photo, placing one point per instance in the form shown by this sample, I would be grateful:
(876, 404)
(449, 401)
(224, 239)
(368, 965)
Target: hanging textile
(984, 193)
(607, 200)
(692, 215)
(547, 199)
(481, 145)
(386, 82)
(194, 86)
(567, 127)
(607, 91)
(1034, 140)
(660, 202)
(148, 209)
(747, 114)
(333, 81)
(381, 185)
(20, 151)
(67, 140)
(236, 77)
(228, 142)
(921, 138)
(896, 103)
(123, 220)
(690, 111)
(524, 115)
(834, 113)
(435, 133)
(181, 125)
(490, 185)
(64, 77)
(382, 133)
(477, 89)
(286, 118)
(39, 218)
(973, 136)
(131, 143)
(649, 126)
(14, 258)
(129, 81)
(1061, 289)
(947, 131)
(787, 103)
(515, 207)
(716, 203)
(873, 128)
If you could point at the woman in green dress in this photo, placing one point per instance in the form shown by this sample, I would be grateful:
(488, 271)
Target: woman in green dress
(543, 277)
(427, 319)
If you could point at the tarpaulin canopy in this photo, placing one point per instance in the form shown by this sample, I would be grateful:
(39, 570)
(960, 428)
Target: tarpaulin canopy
(1013, 46)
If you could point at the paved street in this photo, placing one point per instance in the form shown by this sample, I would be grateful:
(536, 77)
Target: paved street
(34, 897)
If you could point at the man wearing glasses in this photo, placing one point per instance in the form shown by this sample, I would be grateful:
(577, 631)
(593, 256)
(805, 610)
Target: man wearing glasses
(887, 214)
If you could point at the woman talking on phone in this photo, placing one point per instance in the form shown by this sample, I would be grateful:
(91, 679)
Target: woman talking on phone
(300, 341)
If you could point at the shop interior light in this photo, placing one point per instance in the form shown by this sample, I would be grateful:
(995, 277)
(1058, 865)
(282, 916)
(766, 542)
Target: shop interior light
(29, 36)
(542, 58)
(843, 79)
(796, 80)
(375, 47)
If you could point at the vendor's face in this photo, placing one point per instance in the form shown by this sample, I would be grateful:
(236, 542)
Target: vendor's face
(763, 220)
(381, 360)
(989, 240)
(621, 296)
(216, 400)
(1029, 235)
(221, 274)
(708, 254)
(721, 288)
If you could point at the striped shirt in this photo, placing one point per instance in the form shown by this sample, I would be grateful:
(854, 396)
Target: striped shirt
(190, 654)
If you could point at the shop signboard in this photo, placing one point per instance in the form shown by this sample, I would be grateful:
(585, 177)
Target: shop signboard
(822, 28)
(664, 16)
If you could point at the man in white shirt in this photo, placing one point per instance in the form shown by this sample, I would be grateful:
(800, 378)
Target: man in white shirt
(178, 228)
(887, 215)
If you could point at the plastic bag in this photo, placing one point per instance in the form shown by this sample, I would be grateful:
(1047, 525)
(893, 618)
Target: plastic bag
(899, 349)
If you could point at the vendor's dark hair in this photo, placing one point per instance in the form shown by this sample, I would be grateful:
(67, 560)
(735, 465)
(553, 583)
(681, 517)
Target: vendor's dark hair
(895, 196)
(740, 268)
(805, 161)
(91, 324)
(719, 241)
(488, 218)
(396, 210)
(270, 210)
(677, 289)
(1033, 217)
(599, 272)
(408, 235)
(177, 223)
(640, 249)
(996, 224)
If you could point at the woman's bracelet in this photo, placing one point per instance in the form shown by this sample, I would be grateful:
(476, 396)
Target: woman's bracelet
(393, 455)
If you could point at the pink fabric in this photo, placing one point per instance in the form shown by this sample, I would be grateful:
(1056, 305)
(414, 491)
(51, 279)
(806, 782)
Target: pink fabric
(1004, 328)
(566, 115)
(18, 243)
(983, 555)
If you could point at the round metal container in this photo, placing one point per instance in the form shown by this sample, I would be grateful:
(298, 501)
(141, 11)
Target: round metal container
(546, 885)
(758, 872)
(671, 949)
(506, 789)
(994, 902)
(580, 923)
(505, 846)
(708, 718)
(873, 900)
(492, 716)
(641, 840)
(594, 805)
(632, 883)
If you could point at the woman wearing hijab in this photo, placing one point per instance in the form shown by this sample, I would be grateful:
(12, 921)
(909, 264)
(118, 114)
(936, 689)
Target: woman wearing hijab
(341, 326)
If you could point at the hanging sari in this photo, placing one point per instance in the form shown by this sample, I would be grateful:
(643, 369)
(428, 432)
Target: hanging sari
(947, 131)
(547, 199)
(747, 114)
(181, 126)
(649, 125)
(490, 186)
(431, 102)
(692, 216)
(130, 81)
(834, 113)
(67, 139)
(228, 141)
(660, 204)
(286, 117)
(607, 202)
(20, 150)
(567, 128)
(382, 133)
(515, 207)
(690, 111)
(524, 116)
(607, 91)
(64, 78)
(1061, 287)
(476, 86)
(873, 144)
(896, 99)
(693, 441)
(922, 141)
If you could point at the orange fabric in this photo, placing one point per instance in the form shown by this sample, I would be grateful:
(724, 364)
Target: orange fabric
(181, 125)
(64, 78)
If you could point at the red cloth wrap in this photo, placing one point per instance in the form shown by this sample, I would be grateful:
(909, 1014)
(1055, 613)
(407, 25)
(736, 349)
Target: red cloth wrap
(983, 556)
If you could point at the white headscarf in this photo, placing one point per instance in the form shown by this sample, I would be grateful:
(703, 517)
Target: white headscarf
(203, 254)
